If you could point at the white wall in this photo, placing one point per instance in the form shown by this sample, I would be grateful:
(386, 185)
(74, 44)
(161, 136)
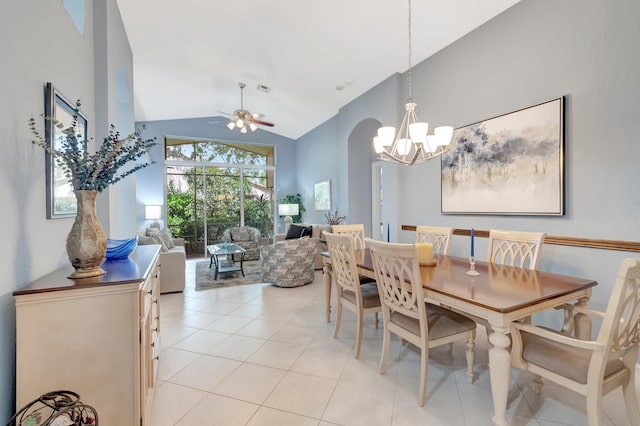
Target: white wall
(40, 44)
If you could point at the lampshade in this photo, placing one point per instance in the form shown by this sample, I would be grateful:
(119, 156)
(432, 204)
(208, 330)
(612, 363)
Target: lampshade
(288, 210)
(152, 212)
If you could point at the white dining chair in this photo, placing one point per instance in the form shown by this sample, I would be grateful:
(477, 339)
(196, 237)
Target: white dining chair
(591, 368)
(439, 236)
(355, 231)
(359, 298)
(515, 248)
(406, 314)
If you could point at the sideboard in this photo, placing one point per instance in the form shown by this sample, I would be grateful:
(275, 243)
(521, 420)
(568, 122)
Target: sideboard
(98, 337)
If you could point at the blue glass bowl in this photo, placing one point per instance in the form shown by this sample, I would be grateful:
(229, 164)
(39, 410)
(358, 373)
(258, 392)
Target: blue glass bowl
(120, 249)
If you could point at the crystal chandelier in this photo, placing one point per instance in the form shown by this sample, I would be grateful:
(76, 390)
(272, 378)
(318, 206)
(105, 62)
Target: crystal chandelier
(411, 145)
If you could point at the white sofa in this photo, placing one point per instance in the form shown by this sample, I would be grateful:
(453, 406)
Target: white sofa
(172, 263)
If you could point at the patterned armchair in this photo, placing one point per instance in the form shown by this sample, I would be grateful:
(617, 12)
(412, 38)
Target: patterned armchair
(246, 237)
(289, 263)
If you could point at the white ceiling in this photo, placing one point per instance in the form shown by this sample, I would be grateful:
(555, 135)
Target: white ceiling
(189, 55)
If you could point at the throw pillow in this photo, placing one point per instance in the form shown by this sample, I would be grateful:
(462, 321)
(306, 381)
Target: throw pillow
(145, 240)
(169, 240)
(295, 231)
(159, 238)
(308, 231)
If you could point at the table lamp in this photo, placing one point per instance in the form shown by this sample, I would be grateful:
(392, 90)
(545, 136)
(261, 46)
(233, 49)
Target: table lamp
(288, 210)
(153, 213)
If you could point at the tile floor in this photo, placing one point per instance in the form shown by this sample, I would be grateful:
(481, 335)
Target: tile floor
(262, 355)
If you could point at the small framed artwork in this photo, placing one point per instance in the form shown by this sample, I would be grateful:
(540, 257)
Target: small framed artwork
(61, 201)
(512, 164)
(322, 195)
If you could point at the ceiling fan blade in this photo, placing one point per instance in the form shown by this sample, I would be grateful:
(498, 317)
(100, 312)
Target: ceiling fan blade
(257, 115)
(225, 113)
(263, 123)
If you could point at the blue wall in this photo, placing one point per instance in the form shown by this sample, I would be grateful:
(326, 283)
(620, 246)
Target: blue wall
(43, 44)
(150, 182)
(535, 51)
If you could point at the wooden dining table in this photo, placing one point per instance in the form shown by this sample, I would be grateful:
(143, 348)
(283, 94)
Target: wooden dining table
(499, 294)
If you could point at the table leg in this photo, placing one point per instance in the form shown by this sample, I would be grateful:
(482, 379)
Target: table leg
(241, 262)
(216, 261)
(326, 271)
(500, 371)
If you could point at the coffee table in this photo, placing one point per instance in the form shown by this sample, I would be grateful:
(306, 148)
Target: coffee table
(228, 265)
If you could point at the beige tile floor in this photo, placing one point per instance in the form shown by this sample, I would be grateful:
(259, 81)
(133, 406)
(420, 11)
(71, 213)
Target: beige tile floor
(262, 355)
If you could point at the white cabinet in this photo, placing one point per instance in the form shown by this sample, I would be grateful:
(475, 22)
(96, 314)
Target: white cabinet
(99, 338)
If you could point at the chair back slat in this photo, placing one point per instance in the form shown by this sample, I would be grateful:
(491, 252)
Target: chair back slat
(620, 327)
(343, 262)
(398, 277)
(354, 231)
(515, 248)
(439, 236)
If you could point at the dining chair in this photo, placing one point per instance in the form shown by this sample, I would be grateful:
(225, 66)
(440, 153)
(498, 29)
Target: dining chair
(592, 368)
(406, 314)
(359, 298)
(439, 236)
(515, 248)
(355, 231)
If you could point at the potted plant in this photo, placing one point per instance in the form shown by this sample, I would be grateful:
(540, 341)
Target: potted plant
(90, 174)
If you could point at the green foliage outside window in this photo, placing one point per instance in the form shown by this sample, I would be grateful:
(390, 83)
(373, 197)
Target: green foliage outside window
(211, 195)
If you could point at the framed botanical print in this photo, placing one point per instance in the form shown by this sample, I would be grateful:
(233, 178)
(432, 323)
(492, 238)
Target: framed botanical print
(322, 195)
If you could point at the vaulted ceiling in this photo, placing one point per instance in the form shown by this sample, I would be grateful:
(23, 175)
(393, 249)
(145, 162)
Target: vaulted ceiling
(315, 57)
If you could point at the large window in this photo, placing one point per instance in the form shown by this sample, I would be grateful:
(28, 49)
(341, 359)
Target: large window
(212, 186)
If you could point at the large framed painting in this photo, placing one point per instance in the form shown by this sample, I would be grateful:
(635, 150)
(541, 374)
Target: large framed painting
(61, 201)
(512, 164)
(322, 195)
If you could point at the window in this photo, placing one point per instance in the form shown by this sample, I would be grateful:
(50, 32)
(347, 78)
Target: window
(212, 186)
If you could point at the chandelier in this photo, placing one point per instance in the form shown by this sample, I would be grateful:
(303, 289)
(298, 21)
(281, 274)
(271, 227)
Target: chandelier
(411, 145)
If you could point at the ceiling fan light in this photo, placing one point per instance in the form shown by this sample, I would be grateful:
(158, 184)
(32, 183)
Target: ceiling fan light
(243, 130)
(231, 125)
(240, 123)
(253, 126)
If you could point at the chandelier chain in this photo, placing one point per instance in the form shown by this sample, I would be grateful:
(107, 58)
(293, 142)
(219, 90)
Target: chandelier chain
(409, 72)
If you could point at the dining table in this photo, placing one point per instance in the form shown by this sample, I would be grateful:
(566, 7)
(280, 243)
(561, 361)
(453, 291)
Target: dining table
(499, 294)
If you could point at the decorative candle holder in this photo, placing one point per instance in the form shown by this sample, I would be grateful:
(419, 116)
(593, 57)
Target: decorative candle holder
(472, 267)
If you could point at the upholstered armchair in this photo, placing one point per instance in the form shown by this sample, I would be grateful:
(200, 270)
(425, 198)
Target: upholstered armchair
(246, 237)
(289, 263)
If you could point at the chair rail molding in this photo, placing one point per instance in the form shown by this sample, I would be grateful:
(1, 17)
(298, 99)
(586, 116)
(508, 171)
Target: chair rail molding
(619, 245)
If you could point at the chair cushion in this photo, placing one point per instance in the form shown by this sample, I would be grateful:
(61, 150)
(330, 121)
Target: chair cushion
(561, 359)
(370, 297)
(441, 322)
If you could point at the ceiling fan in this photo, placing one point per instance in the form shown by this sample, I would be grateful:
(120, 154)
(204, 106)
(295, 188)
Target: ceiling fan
(243, 119)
